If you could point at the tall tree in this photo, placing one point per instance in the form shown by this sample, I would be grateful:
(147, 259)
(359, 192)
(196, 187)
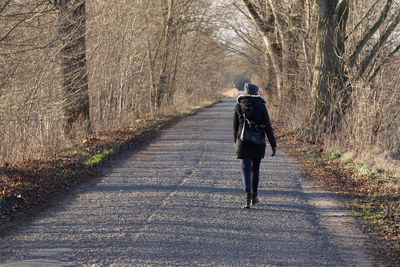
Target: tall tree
(178, 18)
(168, 35)
(330, 94)
(262, 15)
(72, 30)
(280, 25)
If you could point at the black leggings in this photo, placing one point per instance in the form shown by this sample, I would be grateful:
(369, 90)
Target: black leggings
(250, 175)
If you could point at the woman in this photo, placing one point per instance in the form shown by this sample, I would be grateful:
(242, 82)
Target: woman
(251, 154)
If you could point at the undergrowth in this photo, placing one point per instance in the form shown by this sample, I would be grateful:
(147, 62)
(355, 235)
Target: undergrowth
(98, 158)
(372, 197)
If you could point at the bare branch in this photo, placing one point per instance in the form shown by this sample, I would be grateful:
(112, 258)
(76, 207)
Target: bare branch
(21, 21)
(370, 33)
(262, 25)
(362, 20)
(389, 30)
(378, 68)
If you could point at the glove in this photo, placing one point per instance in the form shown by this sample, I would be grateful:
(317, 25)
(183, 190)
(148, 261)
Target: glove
(273, 151)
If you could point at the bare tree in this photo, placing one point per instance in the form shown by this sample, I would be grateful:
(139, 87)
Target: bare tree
(330, 93)
(72, 30)
(370, 32)
(382, 40)
(262, 15)
(72, 66)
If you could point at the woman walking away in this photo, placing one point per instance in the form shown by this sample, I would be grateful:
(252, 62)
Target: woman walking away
(251, 108)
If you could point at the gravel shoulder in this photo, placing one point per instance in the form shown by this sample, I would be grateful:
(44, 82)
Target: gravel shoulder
(177, 203)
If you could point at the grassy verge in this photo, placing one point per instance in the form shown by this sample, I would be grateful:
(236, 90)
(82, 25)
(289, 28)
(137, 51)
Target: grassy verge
(30, 184)
(370, 197)
(98, 158)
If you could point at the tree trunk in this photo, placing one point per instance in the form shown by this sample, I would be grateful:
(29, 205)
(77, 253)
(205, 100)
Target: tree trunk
(174, 66)
(266, 26)
(276, 63)
(329, 93)
(294, 39)
(164, 78)
(282, 38)
(72, 31)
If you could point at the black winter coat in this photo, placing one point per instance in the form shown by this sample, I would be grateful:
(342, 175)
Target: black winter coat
(255, 109)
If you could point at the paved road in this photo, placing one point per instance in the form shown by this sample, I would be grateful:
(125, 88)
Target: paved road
(176, 203)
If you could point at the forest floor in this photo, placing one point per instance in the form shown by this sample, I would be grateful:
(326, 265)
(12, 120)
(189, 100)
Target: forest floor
(28, 186)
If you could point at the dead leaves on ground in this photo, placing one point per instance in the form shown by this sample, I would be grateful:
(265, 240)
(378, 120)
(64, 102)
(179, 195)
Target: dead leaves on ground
(370, 198)
(36, 181)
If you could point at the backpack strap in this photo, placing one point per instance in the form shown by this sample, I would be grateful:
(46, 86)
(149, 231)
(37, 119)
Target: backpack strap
(243, 113)
(249, 121)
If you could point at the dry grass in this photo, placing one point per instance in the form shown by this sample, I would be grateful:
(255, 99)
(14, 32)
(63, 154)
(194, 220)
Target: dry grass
(35, 182)
(126, 52)
(367, 195)
(229, 93)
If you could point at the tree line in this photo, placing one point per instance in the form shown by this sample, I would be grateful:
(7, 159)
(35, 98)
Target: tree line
(69, 68)
(72, 67)
(329, 66)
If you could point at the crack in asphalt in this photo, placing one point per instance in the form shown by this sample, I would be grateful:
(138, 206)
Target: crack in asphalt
(163, 203)
(177, 203)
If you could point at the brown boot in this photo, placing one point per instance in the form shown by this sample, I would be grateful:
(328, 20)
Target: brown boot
(254, 199)
(246, 201)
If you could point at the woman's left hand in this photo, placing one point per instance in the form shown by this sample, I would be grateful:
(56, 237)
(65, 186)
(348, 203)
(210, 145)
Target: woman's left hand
(273, 151)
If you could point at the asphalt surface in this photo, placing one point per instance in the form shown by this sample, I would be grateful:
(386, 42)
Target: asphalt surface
(177, 203)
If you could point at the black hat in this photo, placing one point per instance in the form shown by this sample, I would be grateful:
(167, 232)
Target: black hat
(251, 89)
